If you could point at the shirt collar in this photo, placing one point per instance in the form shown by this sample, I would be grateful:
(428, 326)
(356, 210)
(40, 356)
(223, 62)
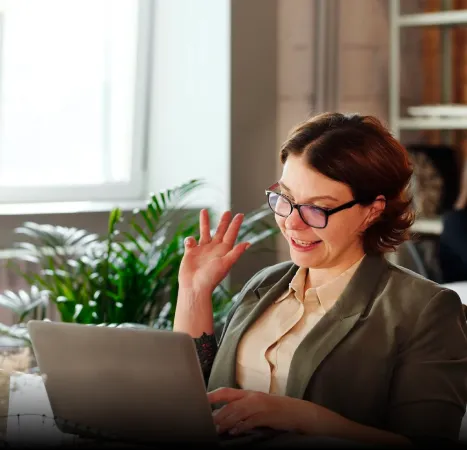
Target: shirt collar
(327, 293)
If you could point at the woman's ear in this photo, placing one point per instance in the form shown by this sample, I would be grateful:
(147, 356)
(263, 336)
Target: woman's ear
(376, 209)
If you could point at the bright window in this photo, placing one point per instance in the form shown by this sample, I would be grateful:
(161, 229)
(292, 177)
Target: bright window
(71, 99)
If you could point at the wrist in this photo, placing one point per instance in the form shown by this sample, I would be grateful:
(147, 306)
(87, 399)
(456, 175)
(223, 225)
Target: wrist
(315, 420)
(197, 294)
(194, 312)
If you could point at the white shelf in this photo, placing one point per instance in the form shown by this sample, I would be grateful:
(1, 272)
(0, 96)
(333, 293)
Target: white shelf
(428, 226)
(456, 17)
(432, 123)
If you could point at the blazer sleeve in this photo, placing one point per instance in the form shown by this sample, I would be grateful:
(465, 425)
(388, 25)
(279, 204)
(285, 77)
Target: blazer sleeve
(428, 392)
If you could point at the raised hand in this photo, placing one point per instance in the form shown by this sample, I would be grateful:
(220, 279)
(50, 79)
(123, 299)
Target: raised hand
(207, 262)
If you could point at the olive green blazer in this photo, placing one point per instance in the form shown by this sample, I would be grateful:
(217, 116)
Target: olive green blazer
(391, 353)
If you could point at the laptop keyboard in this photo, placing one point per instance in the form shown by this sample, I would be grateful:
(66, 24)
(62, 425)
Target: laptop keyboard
(258, 434)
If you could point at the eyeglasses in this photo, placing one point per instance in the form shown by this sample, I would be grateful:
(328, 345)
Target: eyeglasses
(312, 215)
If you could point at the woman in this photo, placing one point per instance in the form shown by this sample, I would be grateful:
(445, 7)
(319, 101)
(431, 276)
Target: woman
(338, 342)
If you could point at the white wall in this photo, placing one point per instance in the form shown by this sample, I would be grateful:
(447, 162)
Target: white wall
(295, 75)
(190, 114)
(214, 99)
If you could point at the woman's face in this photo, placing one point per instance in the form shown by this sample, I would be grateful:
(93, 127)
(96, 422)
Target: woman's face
(340, 242)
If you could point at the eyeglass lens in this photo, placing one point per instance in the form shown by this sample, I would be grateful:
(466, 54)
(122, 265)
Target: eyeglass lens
(311, 215)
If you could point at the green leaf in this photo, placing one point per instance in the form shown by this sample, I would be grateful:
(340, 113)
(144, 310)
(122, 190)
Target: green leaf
(141, 233)
(133, 240)
(144, 214)
(115, 216)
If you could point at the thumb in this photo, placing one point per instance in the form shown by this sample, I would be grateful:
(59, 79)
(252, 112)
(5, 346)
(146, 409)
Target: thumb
(234, 254)
(190, 242)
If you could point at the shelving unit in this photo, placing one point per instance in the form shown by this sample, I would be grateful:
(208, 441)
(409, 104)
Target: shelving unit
(428, 227)
(431, 123)
(447, 18)
(397, 123)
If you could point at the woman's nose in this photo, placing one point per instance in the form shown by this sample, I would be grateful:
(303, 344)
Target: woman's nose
(294, 221)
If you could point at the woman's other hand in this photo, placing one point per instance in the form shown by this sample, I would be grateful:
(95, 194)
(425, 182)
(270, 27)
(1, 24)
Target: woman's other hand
(245, 410)
(207, 262)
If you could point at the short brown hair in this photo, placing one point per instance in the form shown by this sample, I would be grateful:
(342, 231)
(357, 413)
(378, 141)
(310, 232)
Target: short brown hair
(360, 152)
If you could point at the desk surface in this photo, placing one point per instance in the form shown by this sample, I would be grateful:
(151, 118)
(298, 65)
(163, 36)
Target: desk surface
(29, 413)
(28, 417)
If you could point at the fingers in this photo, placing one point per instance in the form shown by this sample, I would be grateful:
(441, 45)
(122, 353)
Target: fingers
(190, 242)
(204, 227)
(226, 418)
(222, 227)
(227, 230)
(232, 231)
(226, 395)
(233, 255)
(249, 423)
(243, 410)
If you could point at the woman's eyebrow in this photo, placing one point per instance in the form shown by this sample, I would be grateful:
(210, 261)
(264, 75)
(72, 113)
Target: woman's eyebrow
(311, 199)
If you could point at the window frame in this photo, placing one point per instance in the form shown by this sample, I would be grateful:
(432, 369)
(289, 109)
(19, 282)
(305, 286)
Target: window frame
(111, 191)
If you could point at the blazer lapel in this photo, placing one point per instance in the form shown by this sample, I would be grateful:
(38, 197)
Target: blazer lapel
(254, 303)
(335, 324)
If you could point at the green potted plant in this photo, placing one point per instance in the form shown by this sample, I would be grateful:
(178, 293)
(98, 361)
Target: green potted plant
(129, 277)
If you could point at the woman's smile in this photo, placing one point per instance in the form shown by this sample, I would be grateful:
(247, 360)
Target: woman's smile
(303, 246)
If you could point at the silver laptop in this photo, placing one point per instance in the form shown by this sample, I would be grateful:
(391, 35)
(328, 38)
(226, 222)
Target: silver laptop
(132, 385)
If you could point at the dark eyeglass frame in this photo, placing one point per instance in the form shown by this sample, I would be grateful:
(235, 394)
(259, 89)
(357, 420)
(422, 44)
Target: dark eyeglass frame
(326, 211)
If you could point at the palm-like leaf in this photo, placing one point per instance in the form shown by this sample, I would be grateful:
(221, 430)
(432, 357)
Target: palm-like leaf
(23, 303)
(17, 332)
(126, 277)
(52, 243)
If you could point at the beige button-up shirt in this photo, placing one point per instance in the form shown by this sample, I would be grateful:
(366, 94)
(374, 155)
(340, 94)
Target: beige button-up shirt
(265, 351)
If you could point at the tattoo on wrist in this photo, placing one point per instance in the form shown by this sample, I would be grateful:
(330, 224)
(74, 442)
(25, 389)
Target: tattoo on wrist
(206, 347)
